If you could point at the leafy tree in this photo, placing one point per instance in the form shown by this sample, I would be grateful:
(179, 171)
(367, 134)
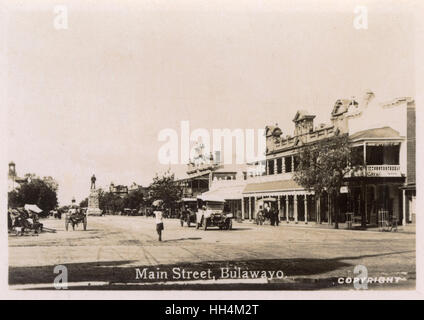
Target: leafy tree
(14, 199)
(322, 167)
(36, 191)
(51, 183)
(84, 203)
(134, 199)
(109, 201)
(166, 189)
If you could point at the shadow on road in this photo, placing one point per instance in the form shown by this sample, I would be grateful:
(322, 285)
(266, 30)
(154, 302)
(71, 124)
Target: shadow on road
(182, 239)
(223, 230)
(121, 272)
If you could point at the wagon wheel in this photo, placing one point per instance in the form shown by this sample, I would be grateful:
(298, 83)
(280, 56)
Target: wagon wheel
(66, 223)
(85, 223)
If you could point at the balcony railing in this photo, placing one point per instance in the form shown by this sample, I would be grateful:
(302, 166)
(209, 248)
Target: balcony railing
(384, 170)
(271, 177)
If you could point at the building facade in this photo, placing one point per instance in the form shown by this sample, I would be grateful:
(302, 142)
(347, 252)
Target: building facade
(384, 135)
(207, 175)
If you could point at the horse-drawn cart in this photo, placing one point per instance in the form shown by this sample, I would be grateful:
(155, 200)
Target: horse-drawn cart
(74, 217)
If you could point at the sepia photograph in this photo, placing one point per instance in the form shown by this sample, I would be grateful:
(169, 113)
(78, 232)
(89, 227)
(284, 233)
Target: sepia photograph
(198, 146)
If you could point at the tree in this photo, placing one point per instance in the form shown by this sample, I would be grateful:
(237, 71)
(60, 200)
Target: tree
(84, 203)
(322, 167)
(108, 201)
(51, 183)
(14, 199)
(134, 199)
(166, 189)
(36, 191)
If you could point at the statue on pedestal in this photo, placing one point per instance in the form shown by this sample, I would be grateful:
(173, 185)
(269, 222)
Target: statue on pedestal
(93, 199)
(93, 182)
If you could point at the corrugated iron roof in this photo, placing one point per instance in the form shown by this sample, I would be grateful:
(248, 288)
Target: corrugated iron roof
(384, 132)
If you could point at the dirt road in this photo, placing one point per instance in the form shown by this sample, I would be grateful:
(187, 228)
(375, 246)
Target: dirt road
(114, 247)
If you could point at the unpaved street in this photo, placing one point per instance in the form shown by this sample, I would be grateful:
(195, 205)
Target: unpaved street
(114, 246)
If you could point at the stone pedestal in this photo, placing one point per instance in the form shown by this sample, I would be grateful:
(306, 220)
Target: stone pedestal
(93, 203)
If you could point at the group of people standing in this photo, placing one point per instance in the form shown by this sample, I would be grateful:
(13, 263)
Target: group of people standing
(268, 213)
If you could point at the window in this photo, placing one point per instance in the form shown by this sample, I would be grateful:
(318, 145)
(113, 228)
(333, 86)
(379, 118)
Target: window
(288, 163)
(279, 165)
(270, 167)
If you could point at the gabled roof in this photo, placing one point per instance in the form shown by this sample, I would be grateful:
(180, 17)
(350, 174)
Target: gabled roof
(342, 105)
(384, 132)
(272, 130)
(302, 114)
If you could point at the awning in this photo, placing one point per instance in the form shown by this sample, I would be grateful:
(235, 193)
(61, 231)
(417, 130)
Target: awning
(33, 207)
(228, 193)
(272, 186)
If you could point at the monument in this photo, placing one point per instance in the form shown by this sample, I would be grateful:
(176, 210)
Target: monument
(93, 199)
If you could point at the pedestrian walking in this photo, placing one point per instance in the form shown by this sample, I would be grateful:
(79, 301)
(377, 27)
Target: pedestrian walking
(158, 212)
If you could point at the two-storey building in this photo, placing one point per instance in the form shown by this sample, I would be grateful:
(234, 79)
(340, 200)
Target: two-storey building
(209, 176)
(377, 130)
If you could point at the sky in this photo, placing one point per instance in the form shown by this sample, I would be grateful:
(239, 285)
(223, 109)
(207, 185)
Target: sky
(92, 99)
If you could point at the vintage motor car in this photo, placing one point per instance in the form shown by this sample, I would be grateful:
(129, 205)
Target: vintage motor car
(210, 213)
(187, 208)
(75, 216)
